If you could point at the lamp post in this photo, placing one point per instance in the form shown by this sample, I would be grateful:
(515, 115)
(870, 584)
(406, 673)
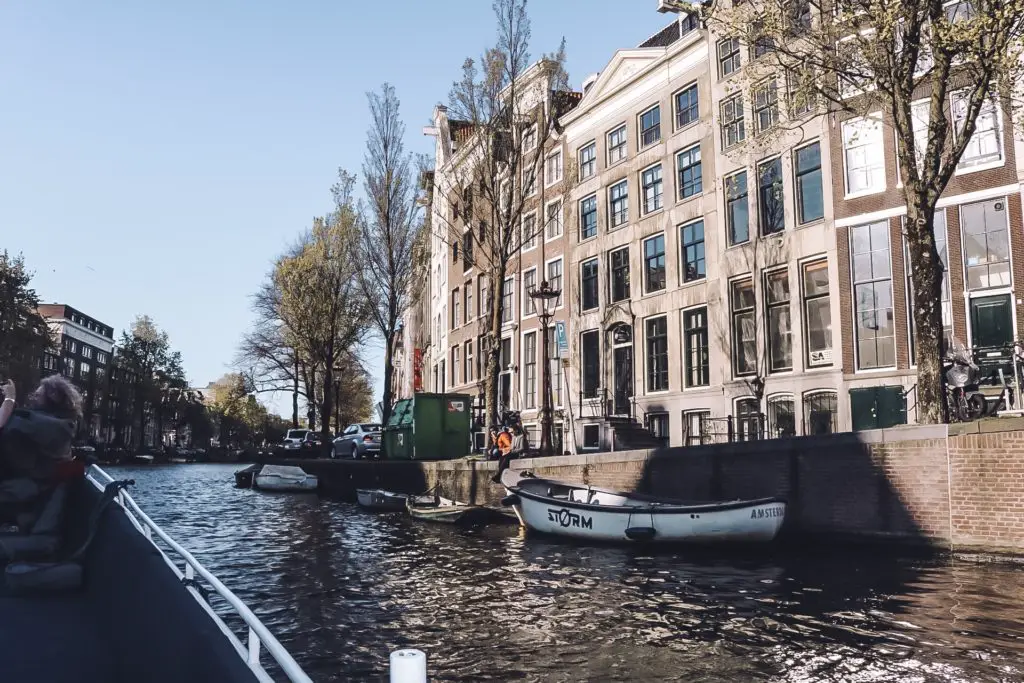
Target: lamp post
(545, 300)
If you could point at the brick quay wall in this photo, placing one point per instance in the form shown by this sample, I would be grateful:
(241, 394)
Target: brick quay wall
(957, 487)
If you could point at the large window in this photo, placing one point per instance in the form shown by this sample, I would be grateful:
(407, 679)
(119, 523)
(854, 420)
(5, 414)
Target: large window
(529, 228)
(687, 109)
(619, 274)
(529, 181)
(529, 286)
(590, 352)
(817, 314)
(657, 354)
(695, 333)
(694, 427)
(530, 370)
(617, 145)
(507, 300)
(744, 328)
(650, 126)
(737, 213)
(807, 169)
(986, 145)
(650, 181)
(780, 328)
(588, 217)
(554, 219)
(455, 365)
(771, 213)
(467, 249)
(456, 320)
(863, 155)
(781, 417)
(728, 56)
(554, 367)
(588, 284)
(986, 244)
(691, 240)
(658, 425)
(588, 160)
(654, 264)
(820, 413)
(766, 105)
(872, 296)
(688, 167)
(733, 131)
(468, 356)
(555, 279)
(553, 168)
(618, 203)
(467, 298)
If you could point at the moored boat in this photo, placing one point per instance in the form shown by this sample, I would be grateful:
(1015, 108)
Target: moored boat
(244, 477)
(143, 459)
(380, 500)
(285, 478)
(589, 513)
(438, 509)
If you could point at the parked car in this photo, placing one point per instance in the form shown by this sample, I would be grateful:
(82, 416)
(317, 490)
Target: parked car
(311, 444)
(358, 441)
(293, 439)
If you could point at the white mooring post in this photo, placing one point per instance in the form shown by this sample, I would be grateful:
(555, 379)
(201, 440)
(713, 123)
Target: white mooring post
(408, 666)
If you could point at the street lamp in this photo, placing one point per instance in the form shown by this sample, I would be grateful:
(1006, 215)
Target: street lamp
(546, 299)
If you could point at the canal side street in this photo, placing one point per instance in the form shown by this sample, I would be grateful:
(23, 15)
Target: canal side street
(953, 487)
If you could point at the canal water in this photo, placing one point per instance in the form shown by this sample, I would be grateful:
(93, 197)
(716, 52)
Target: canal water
(342, 588)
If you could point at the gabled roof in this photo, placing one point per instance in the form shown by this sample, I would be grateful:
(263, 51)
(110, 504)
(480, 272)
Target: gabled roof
(664, 37)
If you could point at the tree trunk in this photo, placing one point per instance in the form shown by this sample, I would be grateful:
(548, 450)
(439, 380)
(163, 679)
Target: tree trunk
(389, 372)
(311, 399)
(295, 395)
(328, 406)
(492, 379)
(926, 280)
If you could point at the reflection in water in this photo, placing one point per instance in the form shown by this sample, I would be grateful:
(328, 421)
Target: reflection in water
(342, 588)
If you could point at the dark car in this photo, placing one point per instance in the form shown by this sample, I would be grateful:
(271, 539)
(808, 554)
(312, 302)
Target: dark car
(358, 441)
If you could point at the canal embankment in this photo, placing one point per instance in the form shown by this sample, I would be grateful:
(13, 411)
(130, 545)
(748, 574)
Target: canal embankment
(954, 487)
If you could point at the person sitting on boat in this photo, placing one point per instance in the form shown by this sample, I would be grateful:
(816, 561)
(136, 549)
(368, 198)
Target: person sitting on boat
(36, 441)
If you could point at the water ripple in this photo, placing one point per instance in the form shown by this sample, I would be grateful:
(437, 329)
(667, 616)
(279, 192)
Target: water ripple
(342, 588)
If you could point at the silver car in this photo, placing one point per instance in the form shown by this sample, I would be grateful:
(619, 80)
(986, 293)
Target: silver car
(293, 439)
(358, 441)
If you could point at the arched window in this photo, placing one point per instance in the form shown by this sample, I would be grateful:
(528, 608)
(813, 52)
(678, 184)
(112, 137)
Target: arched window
(781, 417)
(821, 414)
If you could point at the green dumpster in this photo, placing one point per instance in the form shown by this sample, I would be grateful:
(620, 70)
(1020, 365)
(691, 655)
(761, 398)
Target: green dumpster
(428, 427)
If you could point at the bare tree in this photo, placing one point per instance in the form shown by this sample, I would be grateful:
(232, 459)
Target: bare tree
(857, 57)
(505, 112)
(385, 251)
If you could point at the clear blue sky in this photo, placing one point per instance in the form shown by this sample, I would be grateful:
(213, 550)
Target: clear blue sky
(156, 156)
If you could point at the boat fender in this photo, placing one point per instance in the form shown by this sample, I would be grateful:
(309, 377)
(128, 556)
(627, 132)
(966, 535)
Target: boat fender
(640, 533)
(509, 500)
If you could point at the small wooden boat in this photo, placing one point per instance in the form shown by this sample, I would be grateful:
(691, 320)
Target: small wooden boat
(438, 509)
(285, 478)
(589, 513)
(244, 477)
(380, 500)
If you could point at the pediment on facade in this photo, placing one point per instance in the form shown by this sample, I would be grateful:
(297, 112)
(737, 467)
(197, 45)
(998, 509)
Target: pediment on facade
(623, 67)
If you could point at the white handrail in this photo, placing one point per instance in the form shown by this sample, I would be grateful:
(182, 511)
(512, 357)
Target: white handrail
(258, 633)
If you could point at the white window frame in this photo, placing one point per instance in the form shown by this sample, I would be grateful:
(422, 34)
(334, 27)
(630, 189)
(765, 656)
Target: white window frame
(548, 237)
(522, 239)
(597, 220)
(526, 294)
(675, 106)
(872, 164)
(625, 144)
(640, 130)
(999, 132)
(644, 211)
(853, 303)
(612, 225)
(555, 158)
(579, 155)
(561, 297)
(530, 136)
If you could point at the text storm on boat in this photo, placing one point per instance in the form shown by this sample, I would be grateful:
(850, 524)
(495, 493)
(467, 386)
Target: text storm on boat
(568, 519)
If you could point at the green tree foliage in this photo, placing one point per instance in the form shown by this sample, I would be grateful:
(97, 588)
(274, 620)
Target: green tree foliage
(24, 334)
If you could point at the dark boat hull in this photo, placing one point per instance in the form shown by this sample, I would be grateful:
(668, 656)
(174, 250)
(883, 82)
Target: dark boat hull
(244, 477)
(133, 620)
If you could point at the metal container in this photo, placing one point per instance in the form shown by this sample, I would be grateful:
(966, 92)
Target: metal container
(429, 427)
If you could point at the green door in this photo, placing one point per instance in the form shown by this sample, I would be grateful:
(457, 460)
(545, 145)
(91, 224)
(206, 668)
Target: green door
(991, 321)
(878, 407)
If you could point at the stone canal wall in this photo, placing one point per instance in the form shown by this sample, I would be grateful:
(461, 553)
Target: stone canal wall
(958, 487)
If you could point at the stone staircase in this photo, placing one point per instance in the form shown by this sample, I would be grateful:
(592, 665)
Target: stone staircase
(631, 435)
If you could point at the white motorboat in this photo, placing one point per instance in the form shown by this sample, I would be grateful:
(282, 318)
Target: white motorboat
(589, 513)
(285, 478)
(380, 500)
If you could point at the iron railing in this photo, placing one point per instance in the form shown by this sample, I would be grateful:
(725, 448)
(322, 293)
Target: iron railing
(258, 634)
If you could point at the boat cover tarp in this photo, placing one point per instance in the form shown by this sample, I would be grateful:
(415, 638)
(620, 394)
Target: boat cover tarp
(133, 621)
(284, 471)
